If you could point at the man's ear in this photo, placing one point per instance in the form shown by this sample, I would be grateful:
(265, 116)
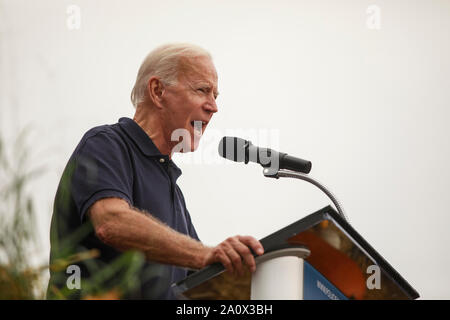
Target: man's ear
(155, 91)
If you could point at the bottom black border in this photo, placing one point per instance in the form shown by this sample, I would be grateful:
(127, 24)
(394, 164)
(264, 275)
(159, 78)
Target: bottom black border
(176, 309)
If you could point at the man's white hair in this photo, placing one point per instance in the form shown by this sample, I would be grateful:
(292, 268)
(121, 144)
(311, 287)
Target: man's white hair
(163, 62)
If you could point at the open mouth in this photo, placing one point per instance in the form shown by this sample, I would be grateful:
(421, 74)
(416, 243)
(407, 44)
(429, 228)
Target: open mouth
(199, 126)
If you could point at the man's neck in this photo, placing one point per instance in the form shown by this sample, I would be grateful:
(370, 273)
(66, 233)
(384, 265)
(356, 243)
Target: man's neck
(150, 123)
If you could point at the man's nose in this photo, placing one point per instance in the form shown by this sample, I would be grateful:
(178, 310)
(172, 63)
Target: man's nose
(211, 106)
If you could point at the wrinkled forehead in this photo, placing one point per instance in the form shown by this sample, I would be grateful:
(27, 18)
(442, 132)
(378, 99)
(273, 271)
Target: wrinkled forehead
(198, 69)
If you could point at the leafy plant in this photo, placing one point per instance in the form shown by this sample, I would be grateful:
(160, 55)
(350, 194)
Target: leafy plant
(18, 233)
(19, 237)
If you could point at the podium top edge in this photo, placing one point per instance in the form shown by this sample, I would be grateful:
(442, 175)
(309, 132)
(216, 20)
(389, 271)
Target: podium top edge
(278, 238)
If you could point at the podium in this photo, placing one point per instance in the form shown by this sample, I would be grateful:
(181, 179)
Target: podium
(318, 257)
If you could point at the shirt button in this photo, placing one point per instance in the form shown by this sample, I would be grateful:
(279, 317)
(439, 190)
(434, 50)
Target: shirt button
(162, 160)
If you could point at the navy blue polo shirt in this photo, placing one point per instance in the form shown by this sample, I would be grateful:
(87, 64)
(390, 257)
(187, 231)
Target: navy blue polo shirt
(121, 161)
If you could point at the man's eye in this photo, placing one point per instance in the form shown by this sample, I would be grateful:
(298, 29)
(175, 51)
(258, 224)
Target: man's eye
(204, 90)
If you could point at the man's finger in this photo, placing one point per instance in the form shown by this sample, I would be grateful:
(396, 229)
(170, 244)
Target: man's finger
(223, 258)
(236, 260)
(246, 255)
(254, 244)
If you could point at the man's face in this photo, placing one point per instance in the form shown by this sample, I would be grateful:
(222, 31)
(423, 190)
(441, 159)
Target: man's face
(190, 104)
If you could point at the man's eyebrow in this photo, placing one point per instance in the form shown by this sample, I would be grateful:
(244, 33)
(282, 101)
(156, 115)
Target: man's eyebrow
(202, 82)
(205, 82)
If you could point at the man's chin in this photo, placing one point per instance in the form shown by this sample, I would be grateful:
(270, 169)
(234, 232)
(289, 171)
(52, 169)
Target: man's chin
(193, 146)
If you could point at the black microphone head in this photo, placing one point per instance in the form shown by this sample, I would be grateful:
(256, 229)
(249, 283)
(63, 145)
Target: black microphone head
(233, 148)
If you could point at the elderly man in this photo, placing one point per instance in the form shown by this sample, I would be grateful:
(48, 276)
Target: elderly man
(122, 181)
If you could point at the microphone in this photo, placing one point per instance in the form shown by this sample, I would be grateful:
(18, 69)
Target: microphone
(240, 150)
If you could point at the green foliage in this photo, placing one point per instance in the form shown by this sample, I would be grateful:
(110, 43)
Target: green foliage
(124, 270)
(19, 236)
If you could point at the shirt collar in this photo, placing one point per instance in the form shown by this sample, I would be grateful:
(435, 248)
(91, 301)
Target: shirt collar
(138, 135)
(145, 143)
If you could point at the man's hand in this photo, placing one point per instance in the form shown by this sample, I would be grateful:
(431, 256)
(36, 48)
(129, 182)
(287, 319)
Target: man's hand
(235, 255)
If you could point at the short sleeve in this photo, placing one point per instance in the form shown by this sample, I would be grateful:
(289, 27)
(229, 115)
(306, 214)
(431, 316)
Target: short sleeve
(101, 169)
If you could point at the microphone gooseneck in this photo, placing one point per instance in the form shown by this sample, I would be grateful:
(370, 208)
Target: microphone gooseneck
(276, 164)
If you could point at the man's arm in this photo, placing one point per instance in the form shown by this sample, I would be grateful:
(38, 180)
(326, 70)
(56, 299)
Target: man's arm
(124, 228)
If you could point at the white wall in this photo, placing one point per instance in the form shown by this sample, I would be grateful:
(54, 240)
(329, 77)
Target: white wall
(369, 107)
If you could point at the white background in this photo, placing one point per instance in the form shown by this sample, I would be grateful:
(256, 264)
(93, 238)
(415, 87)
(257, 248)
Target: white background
(369, 107)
